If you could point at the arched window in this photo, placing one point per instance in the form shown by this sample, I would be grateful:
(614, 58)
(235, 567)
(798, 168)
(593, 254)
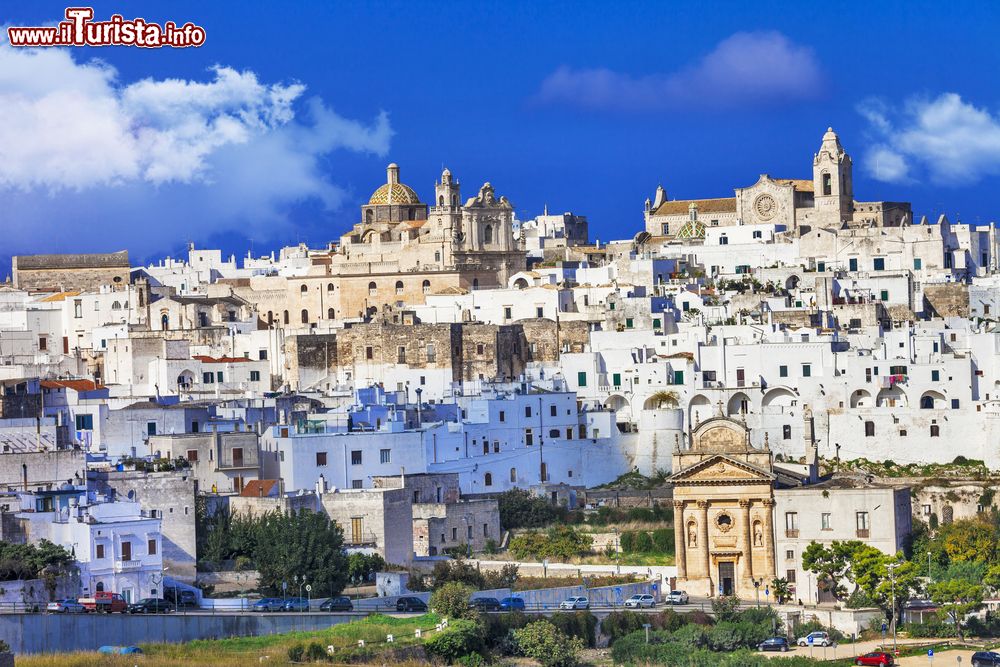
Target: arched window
(399, 287)
(488, 479)
(369, 216)
(270, 318)
(869, 429)
(100, 587)
(454, 200)
(303, 289)
(827, 183)
(513, 475)
(165, 322)
(441, 200)
(305, 316)
(412, 214)
(116, 306)
(372, 289)
(475, 283)
(426, 286)
(286, 317)
(488, 234)
(926, 402)
(329, 287)
(330, 314)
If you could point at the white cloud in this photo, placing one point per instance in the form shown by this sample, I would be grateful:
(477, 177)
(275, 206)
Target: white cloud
(746, 69)
(226, 153)
(946, 139)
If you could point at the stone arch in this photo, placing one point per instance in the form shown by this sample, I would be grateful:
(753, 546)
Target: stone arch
(520, 283)
(616, 402)
(932, 400)
(702, 406)
(791, 282)
(739, 404)
(303, 289)
(861, 398)
(185, 378)
(891, 397)
(779, 397)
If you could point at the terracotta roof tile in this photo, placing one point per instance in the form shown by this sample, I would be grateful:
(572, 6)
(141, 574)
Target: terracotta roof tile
(681, 206)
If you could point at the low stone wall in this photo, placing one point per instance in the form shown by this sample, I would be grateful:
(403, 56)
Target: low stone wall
(48, 633)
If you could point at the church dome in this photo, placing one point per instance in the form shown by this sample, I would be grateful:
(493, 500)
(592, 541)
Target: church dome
(393, 192)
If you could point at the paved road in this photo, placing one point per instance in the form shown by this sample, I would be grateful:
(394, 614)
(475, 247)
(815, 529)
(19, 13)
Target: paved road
(849, 650)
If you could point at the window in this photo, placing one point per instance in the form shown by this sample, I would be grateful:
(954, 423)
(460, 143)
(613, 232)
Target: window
(431, 353)
(790, 576)
(150, 428)
(806, 370)
(357, 529)
(879, 264)
(321, 458)
(827, 183)
(824, 521)
(852, 264)
(783, 371)
(385, 456)
(369, 352)
(791, 521)
(85, 422)
(401, 355)
(151, 547)
(935, 376)
(262, 355)
(255, 376)
(539, 311)
(513, 475)
(305, 316)
(507, 314)
(488, 479)
(723, 240)
(954, 404)
(192, 455)
(126, 551)
(786, 432)
(821, 267)
(861, 519)
(527, 411)
(486, 530)
(529, 437)
(629, 323)
(790, 554)
(554, 433)
(42, 343)
(100, 551)
(454, 533)
(372, 289)
(616, 379)
(935, 430)
(399, 287)
(77, 308)
(678, 377)
(552, 410)
(581, 379)
(502, 416)
(356, 484)
(869, 429)
(496, 446)
(218, 376)
(426, 287)
(480, 349)
(208, 378)
(758, 235)
(356, 457)
(916, 263)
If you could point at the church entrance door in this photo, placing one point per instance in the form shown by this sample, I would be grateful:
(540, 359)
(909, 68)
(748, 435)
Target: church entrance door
(727, 574)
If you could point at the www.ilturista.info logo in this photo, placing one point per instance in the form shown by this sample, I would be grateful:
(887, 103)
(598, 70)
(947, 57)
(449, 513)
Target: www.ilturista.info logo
(79, 29)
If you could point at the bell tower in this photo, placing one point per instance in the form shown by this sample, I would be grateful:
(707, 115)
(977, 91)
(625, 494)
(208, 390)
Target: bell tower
(446, 191)
(833, 183)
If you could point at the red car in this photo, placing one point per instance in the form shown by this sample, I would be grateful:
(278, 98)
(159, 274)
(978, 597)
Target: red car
(875, 658)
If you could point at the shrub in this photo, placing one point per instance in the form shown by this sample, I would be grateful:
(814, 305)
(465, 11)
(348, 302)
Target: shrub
(643, 542)
(726, 607)
(498, 630)
(663, 540)
(316, 652)
(627, 542)
(689, 636)
(618, 624)
(522, 509)
(699, 617)
(543, 642)
(296, 652)
(669, 620)
(579, 624)
(460, 639)
(452, 601)
(729, 636)
(491, 547)
(930, 629)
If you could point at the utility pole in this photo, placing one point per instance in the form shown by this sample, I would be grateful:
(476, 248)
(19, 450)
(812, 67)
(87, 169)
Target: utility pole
(892, 590)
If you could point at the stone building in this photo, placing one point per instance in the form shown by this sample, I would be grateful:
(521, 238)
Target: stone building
(827, 200)
(220, 462)
(723, 502)
(60, 273)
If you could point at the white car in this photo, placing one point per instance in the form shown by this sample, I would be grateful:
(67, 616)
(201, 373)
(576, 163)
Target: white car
(638, 601)
(818, 639)
(575, 603)
(677, 597)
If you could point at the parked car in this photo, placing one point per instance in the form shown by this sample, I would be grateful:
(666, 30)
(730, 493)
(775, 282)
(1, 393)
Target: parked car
(645, 600)
(485, 604)
(151, 606)
(342, 603)
(181, 597)
(773, 644)
(295, 604)
(410, 604)
(875, 659)
(818, 639)
(105, 601)
(677, 597)
(577, 602)
(985, 659)
(512, 604)
(268, 604)
(65, 607)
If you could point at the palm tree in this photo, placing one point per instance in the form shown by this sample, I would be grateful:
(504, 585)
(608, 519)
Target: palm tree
(665, 398)
(780, 591)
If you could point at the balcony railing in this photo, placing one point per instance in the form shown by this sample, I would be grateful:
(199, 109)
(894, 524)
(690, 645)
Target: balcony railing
(127, 565)
(863, 533)
(791, 532)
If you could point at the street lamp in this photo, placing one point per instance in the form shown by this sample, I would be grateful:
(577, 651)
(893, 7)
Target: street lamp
(892, 590)
(928, 566)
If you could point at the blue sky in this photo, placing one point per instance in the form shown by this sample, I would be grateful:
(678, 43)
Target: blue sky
(281, 125)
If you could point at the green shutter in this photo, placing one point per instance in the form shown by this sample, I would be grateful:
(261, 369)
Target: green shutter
(678, 377)
(581, 379)
(616, 379)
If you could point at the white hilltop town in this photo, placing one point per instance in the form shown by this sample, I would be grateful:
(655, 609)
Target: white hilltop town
(761, 372)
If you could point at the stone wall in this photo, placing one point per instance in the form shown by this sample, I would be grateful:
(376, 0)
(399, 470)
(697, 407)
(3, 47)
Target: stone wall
(946, 300)
(42, 468)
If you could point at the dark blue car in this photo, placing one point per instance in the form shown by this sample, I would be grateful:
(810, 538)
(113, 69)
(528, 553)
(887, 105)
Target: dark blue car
(512, 604)
(773, 644)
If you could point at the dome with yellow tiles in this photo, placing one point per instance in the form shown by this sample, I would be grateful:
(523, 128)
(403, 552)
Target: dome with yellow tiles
(393, 192)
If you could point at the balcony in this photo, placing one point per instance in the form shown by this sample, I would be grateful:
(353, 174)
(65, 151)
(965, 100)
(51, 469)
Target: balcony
(127, 565)
(863, 533)
(791, 532)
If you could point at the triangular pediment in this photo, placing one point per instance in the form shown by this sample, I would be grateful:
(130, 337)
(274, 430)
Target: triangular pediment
(721, 469)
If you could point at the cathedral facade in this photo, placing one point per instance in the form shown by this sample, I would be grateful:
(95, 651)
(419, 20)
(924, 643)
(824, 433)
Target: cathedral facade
(794, 205)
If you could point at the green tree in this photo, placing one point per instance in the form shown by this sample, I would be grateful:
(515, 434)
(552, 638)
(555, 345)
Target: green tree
(452, 601)
(781, 590)
(870, 570)
(957, 598)
(300, 543)
(831, 564)
(643, 542)
(543, 642)
(970, 540)
(522, 509)
(663, 540)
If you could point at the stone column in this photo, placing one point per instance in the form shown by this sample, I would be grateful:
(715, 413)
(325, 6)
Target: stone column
(680, 539)
(768, 517)
(703, 543)
(746, 541)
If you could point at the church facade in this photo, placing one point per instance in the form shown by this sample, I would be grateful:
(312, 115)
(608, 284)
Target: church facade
(723, 512)
(794, 205)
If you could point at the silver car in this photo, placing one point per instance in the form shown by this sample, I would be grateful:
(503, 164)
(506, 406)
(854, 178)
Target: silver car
(575, 603)
(65, 607)
(644, 600)
(677, 597)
